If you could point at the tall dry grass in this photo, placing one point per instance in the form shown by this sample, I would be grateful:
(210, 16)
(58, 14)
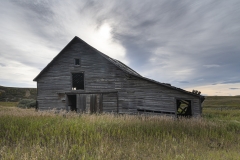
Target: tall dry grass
(26, 134)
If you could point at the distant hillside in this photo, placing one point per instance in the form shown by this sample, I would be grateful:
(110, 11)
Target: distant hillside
(12, 94)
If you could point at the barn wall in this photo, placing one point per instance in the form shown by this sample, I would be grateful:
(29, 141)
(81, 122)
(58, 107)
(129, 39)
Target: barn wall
(142, 94)
(101, 76)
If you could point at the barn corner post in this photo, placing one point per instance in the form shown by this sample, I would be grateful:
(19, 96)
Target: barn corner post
(66, 102)
(175, 105)
(36, 108)
(101, 103)
(78, 105)
(117, 104)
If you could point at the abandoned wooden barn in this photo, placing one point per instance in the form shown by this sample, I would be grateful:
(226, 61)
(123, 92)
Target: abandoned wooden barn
(82, 79)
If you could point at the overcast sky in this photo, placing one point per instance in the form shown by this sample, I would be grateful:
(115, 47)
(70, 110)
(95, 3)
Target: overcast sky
(190, 44)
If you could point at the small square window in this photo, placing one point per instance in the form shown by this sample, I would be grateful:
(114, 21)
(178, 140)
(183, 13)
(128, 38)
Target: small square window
(77, 62)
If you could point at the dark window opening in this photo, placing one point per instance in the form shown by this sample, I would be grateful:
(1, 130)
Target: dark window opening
(77, 81)
(184, 108)
(77, 62)
(72, 102)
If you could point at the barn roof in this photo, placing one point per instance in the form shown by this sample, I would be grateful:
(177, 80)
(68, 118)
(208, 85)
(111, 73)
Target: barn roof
(117, 63)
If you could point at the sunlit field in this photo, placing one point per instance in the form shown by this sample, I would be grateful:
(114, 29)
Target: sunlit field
(27, 134)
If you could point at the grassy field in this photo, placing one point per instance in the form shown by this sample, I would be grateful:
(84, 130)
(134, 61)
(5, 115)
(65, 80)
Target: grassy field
(9, 104)
(222, 102)
(26, 134)
(222, 108)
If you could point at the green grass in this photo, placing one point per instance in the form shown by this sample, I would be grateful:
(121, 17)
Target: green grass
(224, 102)
(222, 115)
(26, 134)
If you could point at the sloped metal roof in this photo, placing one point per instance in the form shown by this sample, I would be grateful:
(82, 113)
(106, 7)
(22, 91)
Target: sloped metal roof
(121, 65)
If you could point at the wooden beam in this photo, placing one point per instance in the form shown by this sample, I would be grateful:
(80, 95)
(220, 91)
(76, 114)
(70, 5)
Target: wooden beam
(117, 104)
(73, 93)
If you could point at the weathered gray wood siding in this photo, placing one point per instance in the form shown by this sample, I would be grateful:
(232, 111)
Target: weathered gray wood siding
(147, 95)
(101, 76)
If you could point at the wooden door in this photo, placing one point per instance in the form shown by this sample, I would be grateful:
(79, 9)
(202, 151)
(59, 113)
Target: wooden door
(90, 103)
(95, 103)
(81, 103)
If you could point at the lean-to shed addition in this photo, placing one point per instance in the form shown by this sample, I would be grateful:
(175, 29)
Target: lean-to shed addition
(82, 79)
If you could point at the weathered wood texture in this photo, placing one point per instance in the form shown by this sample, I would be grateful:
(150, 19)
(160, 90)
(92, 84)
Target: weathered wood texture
(101, 76)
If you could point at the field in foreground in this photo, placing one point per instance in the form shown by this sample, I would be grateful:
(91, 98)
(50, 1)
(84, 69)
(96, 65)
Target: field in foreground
(26, 134)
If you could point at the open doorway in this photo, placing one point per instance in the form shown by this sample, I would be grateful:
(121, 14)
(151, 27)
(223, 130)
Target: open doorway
(72, 102)
(184, 108)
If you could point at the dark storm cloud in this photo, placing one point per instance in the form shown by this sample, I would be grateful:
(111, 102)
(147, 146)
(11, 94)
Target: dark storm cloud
(201, 36)
(41, 20)
(143, 31)
(185, 42)
(41, 12)
(198, 41)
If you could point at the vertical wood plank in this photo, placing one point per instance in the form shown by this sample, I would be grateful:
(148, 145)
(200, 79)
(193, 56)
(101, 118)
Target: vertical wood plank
(83, 99)
(66, 102)
(117, 104)
(87, 103)
(91, 103)
(78, 105)
(96, 103)
(101, 103)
